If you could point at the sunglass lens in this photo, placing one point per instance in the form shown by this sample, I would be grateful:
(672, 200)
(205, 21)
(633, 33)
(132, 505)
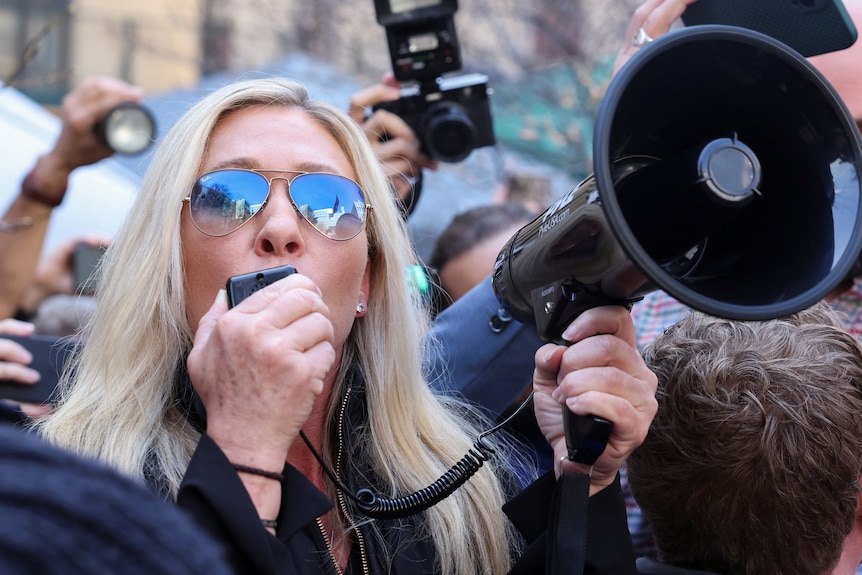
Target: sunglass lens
(222, 201)
(332, 204)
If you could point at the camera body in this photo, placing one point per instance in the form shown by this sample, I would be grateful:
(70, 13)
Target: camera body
(85, 267)
(451, 121)
(450, 115)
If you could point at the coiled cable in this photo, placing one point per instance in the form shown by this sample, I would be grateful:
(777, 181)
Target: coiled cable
(378, 507)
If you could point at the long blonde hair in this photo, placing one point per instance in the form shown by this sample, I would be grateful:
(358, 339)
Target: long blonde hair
(118, 404)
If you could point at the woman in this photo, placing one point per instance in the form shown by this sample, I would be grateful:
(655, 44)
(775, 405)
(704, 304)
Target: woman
(333, 351)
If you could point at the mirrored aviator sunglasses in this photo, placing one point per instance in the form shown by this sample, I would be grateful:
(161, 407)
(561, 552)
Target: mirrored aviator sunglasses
(223, 201)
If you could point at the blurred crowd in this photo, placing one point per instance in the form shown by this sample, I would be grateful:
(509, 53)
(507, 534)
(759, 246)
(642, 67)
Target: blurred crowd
(736, 446)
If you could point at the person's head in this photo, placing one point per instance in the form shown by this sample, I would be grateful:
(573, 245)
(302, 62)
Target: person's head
(281, 143)
(180, 243)
(63, 315)
(68, 515)
(531, 191)
(843, 68)
(466, 250)
(167, 264)
(183, 257)
(753, 461)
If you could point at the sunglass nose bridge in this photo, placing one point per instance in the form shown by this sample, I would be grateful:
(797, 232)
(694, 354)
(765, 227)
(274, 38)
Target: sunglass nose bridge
(279, 184)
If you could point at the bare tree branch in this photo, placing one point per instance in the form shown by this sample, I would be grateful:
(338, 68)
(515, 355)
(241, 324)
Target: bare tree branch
(31, 48)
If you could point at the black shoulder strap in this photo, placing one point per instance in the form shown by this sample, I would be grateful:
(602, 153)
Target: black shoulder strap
(567, 525)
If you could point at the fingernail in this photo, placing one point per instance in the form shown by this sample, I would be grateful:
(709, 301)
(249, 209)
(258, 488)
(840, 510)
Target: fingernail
(31, 376)
(571, 403)
(556, 394)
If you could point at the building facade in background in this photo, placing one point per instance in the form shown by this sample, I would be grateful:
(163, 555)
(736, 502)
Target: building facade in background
(46, 46)
(548, 60)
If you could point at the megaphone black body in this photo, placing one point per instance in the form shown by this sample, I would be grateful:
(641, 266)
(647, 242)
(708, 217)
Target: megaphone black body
(726, 173)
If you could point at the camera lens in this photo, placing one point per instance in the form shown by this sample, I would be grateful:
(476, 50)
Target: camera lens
(449, 133)
(128, 128)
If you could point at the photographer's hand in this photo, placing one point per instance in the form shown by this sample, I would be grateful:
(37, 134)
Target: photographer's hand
(396, 144)
(78, 145)
(14, 358)
(14, 362)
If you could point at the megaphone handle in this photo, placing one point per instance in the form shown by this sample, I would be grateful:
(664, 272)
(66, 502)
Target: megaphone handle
(586, 436)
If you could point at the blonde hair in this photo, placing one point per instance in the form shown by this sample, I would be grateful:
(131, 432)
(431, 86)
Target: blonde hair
(119, 405)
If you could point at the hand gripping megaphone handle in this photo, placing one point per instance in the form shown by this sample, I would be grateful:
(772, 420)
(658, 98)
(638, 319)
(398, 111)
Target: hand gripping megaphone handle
(555, 306)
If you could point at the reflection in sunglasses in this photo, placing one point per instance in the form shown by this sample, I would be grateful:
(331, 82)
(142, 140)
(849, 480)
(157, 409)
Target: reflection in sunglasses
(224, 200)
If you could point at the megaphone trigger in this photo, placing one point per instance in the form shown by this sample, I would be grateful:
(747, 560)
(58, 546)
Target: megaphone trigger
(586, 436)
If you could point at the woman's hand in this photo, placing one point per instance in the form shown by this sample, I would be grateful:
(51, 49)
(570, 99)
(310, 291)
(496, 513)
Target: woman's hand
(260, 366)
(600, 374)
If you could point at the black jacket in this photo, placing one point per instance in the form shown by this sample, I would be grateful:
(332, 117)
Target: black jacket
(213, 493)
(647, 566)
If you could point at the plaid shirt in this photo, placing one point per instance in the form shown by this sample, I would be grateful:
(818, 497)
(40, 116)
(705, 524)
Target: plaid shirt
(658, 311)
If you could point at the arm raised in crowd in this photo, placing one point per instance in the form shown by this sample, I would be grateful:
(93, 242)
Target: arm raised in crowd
(25, 222)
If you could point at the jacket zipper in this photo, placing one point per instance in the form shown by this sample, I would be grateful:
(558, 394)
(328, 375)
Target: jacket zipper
(341, 502)
(328, 545)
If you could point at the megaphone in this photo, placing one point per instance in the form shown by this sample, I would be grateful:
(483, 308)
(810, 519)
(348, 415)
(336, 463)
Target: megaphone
(726, 173)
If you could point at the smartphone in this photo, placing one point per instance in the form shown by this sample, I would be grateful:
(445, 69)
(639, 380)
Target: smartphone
(241, 286)
(810, 27)
(50, 355)
(85, 266)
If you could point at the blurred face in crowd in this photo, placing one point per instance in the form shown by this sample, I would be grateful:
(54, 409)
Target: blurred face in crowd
(462, 273)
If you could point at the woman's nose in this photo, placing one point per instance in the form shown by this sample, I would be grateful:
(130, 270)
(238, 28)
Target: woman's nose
(280, 230)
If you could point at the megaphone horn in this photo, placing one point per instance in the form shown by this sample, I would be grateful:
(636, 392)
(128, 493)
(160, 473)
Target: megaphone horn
(726, 172)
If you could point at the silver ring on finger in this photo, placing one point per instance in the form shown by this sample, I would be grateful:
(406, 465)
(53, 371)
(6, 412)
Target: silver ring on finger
(641, 38)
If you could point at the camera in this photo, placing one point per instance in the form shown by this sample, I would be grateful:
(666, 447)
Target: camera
(85, 267)
(128, 128)
(450, 115)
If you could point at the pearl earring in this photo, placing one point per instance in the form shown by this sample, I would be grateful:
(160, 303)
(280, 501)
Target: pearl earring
(360, 307)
